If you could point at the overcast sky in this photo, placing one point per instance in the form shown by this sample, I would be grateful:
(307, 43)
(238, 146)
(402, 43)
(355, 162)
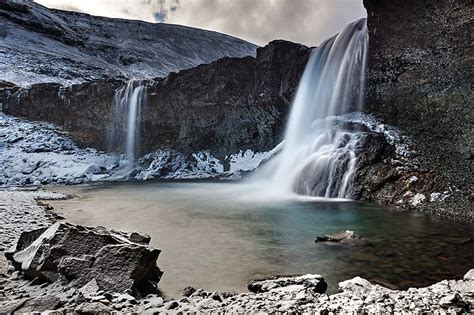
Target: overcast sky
(258, 21)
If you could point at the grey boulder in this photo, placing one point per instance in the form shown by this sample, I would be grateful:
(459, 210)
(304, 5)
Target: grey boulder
(76, 255)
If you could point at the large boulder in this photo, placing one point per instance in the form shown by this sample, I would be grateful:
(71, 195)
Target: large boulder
(76, 255)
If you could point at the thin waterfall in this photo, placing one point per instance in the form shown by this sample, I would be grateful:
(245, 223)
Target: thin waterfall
(128, 103)
(320, 150)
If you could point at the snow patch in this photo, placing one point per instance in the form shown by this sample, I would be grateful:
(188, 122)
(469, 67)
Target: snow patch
(417, 200)
(35, 153)
(437, 196)
(392, 135)
(39, 153)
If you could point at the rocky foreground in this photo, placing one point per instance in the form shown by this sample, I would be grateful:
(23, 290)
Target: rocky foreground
(69, 268)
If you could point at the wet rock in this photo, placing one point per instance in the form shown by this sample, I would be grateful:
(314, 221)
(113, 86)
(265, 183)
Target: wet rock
(313, 282)
(188, 291)
(82, 256)
(346, 237)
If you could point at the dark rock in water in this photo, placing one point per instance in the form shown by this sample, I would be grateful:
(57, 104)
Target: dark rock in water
(76, 255)
(346, 237)
(188, 291)
(315, 283)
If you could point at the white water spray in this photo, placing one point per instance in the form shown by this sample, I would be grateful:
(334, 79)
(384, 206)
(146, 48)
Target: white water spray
(128, 103)
(320, 151)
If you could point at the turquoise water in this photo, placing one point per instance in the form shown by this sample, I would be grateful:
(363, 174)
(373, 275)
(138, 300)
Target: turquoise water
(220, 235)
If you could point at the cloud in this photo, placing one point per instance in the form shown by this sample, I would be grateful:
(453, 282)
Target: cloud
(258, 21)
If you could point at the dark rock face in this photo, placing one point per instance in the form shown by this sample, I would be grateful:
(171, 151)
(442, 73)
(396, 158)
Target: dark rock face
(224, 107)
(376, 177)
(82, 109)
(76, 255)
(420, 80)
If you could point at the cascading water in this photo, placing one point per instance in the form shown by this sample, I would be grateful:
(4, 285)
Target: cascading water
(319, 154)
(128, 103)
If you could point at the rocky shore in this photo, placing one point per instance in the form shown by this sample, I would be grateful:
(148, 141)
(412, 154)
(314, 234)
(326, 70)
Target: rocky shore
(68, 268)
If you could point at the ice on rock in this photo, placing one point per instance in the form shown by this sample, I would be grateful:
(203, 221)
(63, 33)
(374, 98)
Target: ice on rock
(39, 153)
(34, 153)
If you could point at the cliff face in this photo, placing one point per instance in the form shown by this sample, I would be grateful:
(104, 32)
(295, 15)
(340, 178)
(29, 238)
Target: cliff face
(420, 80)
(229, 105)
(226, 106)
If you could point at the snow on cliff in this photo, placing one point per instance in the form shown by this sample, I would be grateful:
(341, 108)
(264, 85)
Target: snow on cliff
(45, 45)
(34, 153)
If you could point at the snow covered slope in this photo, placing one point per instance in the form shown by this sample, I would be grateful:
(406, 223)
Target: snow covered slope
(38, 44)
(34, 153)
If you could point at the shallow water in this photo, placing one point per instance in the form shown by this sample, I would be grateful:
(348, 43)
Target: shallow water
(219, 235)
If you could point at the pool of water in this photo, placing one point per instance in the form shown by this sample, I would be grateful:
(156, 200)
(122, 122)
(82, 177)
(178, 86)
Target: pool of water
(220, 235)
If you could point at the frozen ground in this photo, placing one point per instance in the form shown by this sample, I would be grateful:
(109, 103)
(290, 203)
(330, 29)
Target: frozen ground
(19, 211)
(35, 153)
(39, 153)
(43, 45)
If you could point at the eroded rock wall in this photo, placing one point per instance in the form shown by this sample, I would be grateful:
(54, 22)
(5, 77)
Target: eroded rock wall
(420, 80)
(229, 105)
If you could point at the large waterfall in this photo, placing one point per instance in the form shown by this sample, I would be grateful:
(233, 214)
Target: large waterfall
(320, 151)
(128, 103)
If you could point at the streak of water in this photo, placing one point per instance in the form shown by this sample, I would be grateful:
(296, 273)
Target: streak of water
(128, 103)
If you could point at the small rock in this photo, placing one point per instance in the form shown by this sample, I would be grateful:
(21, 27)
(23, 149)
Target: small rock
(469, 275)
(90, 289)
(314, 282)
(153, 302)
(125, 298)
(171, 305)
(347, 236)
(92, 308)
(453, 300)
(188, 291)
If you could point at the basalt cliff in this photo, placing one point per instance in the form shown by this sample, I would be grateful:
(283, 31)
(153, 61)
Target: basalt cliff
(420, 80)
